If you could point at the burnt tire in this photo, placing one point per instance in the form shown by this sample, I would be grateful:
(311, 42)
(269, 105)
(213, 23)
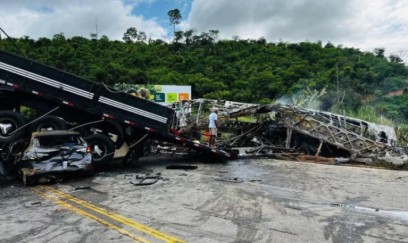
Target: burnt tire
(49, 123)
(102, 149)
(11, 123)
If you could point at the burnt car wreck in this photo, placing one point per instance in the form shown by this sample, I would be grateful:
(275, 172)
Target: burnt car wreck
(291, 132)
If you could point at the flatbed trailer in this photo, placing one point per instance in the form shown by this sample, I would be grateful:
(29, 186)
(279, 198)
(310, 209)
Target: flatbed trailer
(106, 117)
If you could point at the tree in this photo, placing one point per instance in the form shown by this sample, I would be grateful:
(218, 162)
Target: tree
(93, 36)
(247, 70)
(188, 34)
(379, 52)
(235, 38)
(213, 34)
(131, 35)
(395, 58)
(59, 37)
(175, 17)
(178, 36)
(141, 36)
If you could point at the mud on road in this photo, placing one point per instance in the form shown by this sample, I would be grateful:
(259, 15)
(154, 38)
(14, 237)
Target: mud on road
(239, 201)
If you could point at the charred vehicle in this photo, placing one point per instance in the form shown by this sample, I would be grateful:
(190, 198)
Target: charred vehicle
(53, 155)
(286, 131)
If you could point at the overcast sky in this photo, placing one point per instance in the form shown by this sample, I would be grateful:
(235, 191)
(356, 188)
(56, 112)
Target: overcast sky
(363, 24)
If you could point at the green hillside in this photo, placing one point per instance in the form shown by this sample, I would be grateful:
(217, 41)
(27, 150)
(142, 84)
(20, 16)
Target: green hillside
(240, 70)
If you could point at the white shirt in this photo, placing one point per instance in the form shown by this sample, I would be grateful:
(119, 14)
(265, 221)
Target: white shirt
(213, 117)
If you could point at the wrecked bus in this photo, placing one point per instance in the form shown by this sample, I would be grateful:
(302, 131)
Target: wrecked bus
(286, 130)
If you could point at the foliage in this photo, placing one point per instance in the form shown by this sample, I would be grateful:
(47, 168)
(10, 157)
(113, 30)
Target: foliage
(131, 35)
(371, 115)
(251, 70)
(402, 133)
(174, 17)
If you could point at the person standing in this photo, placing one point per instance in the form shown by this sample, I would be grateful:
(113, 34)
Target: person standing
(212, 126)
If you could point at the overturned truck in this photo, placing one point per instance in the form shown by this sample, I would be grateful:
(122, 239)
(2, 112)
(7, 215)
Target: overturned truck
(288, 131)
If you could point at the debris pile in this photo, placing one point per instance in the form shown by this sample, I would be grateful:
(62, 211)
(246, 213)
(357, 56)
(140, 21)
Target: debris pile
(290, 132)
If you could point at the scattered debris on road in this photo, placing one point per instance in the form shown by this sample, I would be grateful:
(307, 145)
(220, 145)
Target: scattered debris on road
(82, 188)
(181, 167)
(30, 204)
(146, 180)
(234, 180)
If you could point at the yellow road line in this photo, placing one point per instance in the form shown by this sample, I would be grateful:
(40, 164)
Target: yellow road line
(91, 216)
(119, 218)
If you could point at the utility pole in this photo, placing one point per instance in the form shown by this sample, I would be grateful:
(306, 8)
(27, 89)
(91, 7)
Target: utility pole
(337, 82)
(96, 27)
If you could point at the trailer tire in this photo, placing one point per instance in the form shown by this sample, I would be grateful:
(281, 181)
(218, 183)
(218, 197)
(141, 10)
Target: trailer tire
(102, 147)
(49, 123)
(114, 128)
(107, 127)
(16, 120)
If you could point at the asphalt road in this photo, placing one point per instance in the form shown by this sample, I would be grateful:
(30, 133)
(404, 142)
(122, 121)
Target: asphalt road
(239, 201)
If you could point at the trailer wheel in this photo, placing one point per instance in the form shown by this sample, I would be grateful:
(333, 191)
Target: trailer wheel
(113, 130)
(10, 122)
(49, 123)
(102, 148)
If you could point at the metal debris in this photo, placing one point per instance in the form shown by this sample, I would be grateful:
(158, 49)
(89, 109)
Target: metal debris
(82, 188)
(234, 180)
(289, 132)
(30, 204)
(181, 167)
(146, 180)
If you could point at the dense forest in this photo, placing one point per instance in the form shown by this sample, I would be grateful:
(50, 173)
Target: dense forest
(340, 79)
